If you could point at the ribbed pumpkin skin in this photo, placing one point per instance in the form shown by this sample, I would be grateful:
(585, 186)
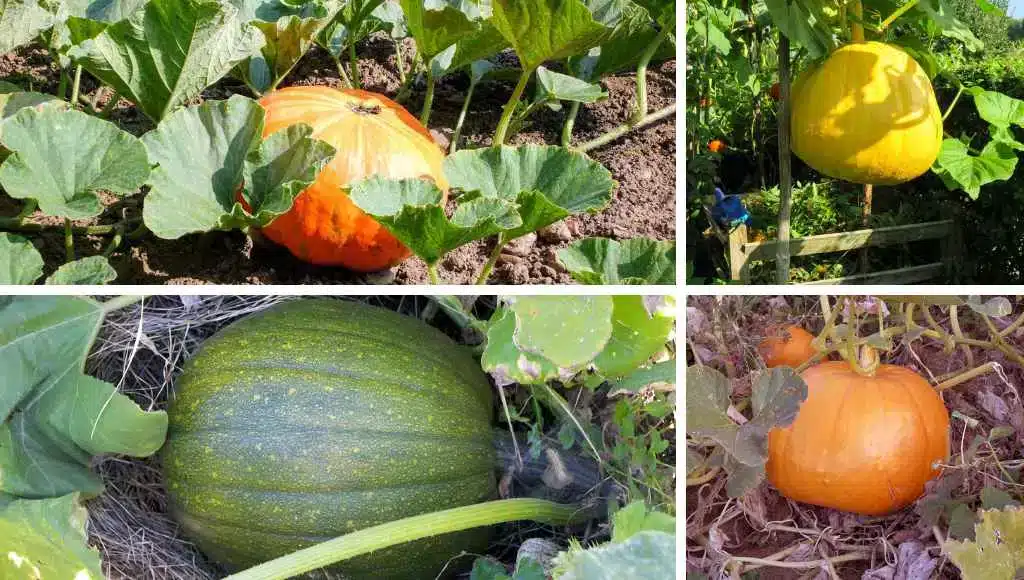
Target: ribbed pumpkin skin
(319, 417)
(790, 346)
(867, 114)
(373, 136)
(860, 444)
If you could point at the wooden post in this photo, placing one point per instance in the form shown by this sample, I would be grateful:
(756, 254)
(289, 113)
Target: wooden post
(866, 222)
(738, 262)
(785, 173)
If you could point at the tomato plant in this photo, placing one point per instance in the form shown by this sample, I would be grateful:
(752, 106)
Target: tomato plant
(209, 166)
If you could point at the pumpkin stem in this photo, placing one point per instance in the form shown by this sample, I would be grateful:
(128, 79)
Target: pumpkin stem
(366, 108)
(867, 361)
(856, 24)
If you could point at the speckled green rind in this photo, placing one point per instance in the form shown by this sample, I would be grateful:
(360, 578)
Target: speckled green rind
(318, 417)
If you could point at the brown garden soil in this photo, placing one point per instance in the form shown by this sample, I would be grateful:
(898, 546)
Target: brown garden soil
(724, 333)
(643, 163)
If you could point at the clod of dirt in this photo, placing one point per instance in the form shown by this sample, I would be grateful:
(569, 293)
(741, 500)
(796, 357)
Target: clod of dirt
(520, 246)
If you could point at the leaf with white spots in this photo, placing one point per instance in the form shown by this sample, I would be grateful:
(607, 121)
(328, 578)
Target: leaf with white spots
(506, 362)
(568, 330)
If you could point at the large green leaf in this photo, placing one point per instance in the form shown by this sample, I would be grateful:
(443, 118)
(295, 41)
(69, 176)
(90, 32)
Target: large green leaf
(456, 32)
(56, 417)
(997, 552)
(637, 517)
(999, 109)
(554, 86)
(106, 11)
(288, 33)
(777, 395)
(649, 555)
(94, 270)
(543, 30)
(958, 166)
(86, 19)
(411, 210)
(211, 154)
(167, 53)
(506, 362)
(567, 330)
(13, 99)
(663, 11)
(20, 262)
(437, 24)
(601, 261)
(46, 538)
(357, 20)
(805, 23)
(548, 183)
(622, 50)
(21, 21)
(640, 328)
(63, 157)
(945, 17)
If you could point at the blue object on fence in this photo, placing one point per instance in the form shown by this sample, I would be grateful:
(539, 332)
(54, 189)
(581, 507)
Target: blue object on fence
(729, 210)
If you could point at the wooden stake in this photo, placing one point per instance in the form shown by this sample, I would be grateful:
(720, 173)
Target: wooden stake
(866, 221)
(785, 171)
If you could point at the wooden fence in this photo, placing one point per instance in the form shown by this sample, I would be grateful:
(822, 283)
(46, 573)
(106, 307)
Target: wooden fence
(742, 251)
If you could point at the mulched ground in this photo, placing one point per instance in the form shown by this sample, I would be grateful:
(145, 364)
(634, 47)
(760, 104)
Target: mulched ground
(643, 163)
(724, 332)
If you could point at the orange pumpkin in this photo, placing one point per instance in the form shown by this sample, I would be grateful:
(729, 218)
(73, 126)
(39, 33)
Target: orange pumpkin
(717, 146)
(373, 136)
(787, 347)
(860, 443)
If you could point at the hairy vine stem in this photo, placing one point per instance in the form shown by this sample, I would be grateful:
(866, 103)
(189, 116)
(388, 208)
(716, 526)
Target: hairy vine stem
(510, 107)
(622, 130)
(485, 273)
(413, 528)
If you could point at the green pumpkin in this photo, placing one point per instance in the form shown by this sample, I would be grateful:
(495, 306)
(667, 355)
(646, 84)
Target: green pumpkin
(315, 418)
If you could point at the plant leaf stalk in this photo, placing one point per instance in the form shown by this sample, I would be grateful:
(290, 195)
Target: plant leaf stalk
(462, 117)
(510, 107)
(76, 85)
(492, 260)
(570, 124)
(622, 130)
(641, 74)
(428, 100)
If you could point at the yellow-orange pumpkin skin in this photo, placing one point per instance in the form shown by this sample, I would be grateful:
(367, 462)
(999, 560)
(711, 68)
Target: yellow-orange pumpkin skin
(862, 444)
(373, 136)
(787, 347)
(867, 114)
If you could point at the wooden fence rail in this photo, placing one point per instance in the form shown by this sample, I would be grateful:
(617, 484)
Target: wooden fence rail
(742, 251)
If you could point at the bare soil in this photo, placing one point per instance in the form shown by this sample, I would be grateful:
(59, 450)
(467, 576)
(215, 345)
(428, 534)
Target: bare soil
(643, 163)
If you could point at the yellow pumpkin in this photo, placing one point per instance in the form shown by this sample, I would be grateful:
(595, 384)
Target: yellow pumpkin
(867, 114)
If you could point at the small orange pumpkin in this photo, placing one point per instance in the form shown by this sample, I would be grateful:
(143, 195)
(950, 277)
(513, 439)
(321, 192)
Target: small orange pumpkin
(373, 135)
(717, 146)
(787, 347)
(860, 443)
